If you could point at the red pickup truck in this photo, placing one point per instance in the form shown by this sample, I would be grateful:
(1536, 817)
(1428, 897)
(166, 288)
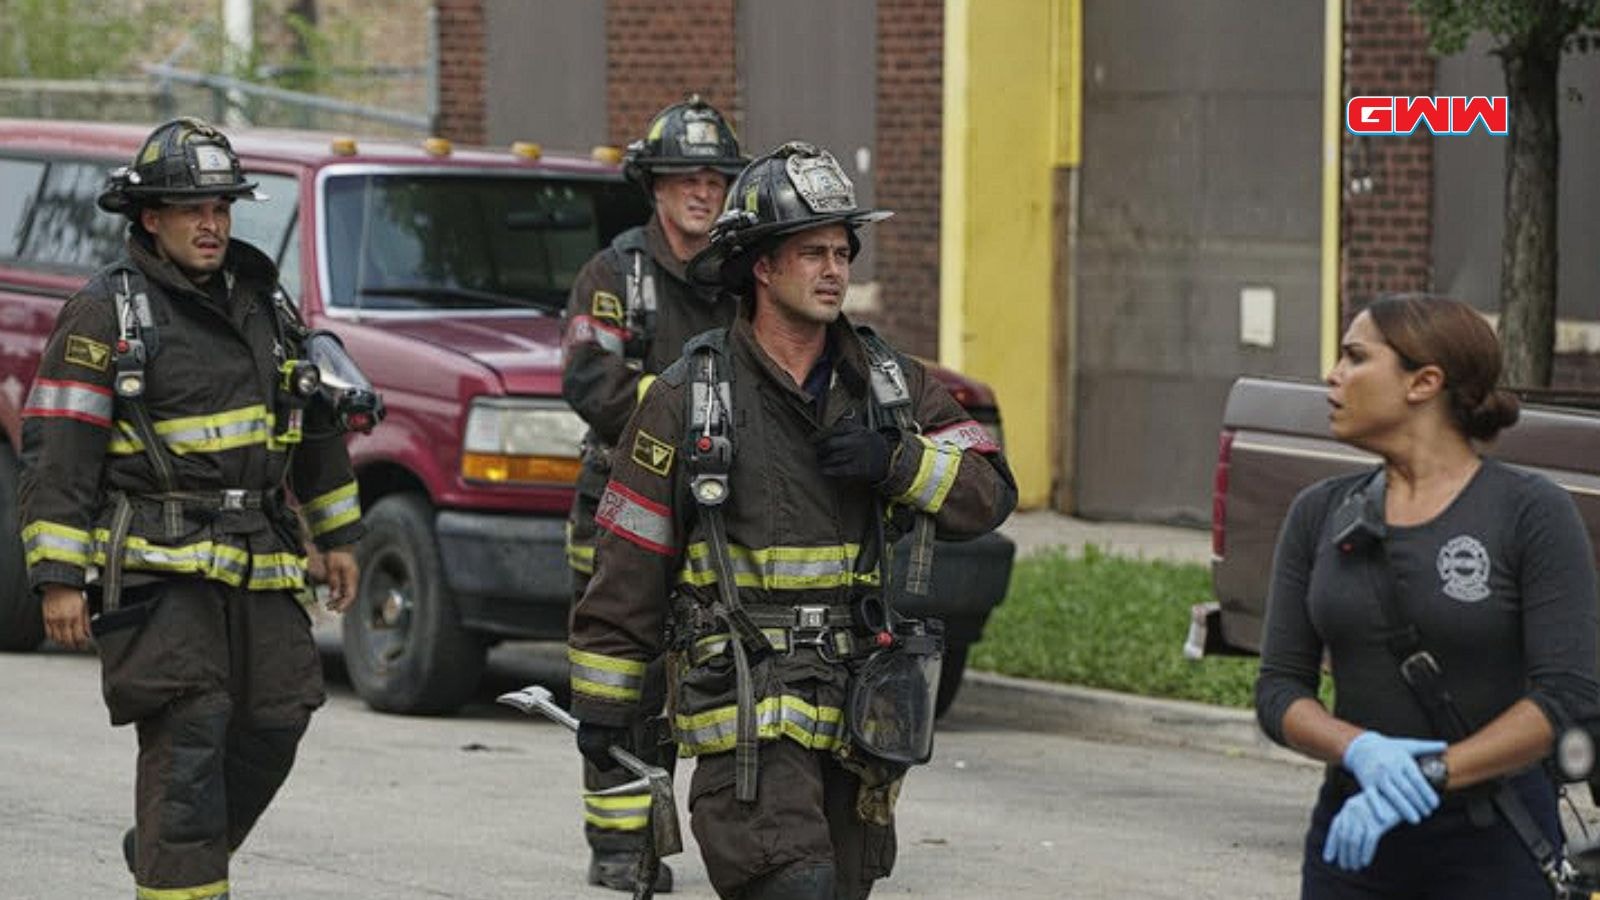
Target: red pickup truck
(444, 271)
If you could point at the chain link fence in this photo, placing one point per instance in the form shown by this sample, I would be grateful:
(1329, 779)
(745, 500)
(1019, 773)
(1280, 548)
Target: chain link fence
(386, 102)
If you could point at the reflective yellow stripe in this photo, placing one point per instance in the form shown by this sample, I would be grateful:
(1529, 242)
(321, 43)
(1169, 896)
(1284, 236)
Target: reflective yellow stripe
(643, 387)
(617, 812)
(43, 540)
(779, 568)
(333, 510)
(201, 892)
(936, 473)
(215, 433)
(580, 557)
(608, 677)
(276, 571)
(716, 730)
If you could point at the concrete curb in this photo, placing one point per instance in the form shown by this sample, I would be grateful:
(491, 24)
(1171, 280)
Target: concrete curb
(1108, 715)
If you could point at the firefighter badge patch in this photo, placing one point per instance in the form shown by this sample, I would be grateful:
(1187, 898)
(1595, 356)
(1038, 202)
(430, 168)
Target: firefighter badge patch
(87, 353)
(607, 306)
(655, 455)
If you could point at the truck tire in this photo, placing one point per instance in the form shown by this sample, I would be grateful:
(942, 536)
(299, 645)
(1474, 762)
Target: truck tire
(404, 645)
(21, 619)
(950, 672)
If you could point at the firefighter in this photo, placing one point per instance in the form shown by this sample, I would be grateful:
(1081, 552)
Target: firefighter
(630, 311)
(744, 530)
(170, 413)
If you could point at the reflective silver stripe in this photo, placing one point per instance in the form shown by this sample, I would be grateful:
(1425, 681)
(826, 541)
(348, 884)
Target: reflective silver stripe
(635, 518)
(617, 812)
(779, 568)
(715, 731)
(212, 437)
(588, 329)
(333, 510)
(935, 474)
(609, 677)
(70, 399)
(275, 571)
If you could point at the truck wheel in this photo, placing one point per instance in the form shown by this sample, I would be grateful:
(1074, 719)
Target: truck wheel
(21, 619)
(404, 645)
(950, 672)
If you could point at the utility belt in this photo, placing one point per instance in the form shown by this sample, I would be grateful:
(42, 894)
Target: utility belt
(829, 629)
(226, 511)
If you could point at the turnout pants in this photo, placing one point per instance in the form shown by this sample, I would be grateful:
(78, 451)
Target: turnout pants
(615, 824)
(220, 683)
(803, 820)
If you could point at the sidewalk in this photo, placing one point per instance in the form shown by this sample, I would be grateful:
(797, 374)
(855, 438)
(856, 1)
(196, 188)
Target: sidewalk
(1107, 715)
(1041, 529)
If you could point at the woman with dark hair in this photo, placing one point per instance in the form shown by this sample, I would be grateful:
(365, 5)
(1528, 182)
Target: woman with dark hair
(1462, 568)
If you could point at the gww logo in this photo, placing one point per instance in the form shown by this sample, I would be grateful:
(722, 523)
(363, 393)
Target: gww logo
(1442, 115)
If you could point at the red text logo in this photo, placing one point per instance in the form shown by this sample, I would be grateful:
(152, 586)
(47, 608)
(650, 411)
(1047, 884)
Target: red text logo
(1440, 115)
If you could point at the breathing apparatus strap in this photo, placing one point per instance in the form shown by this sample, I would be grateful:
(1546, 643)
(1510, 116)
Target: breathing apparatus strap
(891, 399)
(138, 342)
(710, 458)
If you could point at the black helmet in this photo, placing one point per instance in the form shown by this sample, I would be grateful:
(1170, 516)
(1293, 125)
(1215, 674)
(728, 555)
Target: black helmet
(182, 159)
(684, 137)
(794, 188)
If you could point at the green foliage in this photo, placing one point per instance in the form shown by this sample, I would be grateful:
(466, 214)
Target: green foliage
(326, 49)
(1109, 622)
(1515, 24)
(73, 38)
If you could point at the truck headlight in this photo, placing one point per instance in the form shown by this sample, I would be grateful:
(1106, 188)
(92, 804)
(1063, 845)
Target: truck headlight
(522, 441)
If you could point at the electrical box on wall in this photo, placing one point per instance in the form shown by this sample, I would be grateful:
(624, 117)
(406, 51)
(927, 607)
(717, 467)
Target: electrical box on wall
(1258, 316)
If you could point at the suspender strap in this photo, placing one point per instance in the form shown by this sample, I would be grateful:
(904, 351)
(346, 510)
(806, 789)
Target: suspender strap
(1423, 674)
(891, 397)
(137, 344)
(111, 577)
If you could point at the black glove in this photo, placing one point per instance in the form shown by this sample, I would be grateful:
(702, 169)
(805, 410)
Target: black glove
(853, 452)
(595, 742)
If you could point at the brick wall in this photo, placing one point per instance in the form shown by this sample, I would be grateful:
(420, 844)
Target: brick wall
(908, 157)
(1387, 229)
(461, 53)
(659, 52)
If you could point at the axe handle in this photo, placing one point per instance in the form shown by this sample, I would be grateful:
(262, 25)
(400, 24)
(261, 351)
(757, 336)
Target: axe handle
(628, 760)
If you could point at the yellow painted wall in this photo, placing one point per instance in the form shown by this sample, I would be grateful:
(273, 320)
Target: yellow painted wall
(1009, 120)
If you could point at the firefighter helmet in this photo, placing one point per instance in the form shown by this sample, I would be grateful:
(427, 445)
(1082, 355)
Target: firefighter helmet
(184, 159)
(684, 137)
(794, 188)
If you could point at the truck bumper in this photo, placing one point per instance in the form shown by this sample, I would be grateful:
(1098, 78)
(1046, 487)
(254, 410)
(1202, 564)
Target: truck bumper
(508, 574)
(969, 580)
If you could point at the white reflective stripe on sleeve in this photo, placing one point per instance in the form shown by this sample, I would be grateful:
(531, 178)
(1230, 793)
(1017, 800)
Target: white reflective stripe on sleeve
(78, 400)
(636, 519)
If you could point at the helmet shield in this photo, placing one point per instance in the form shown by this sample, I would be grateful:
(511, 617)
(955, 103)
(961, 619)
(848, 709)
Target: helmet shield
(182, 161)
(892, 696)
(794, 188)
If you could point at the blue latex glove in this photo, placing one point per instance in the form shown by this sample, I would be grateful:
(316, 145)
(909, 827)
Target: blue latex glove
(1388, 767)
(1353, 835)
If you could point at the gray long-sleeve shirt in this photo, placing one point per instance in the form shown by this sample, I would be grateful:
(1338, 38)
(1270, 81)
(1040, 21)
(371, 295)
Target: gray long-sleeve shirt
(1501, 585)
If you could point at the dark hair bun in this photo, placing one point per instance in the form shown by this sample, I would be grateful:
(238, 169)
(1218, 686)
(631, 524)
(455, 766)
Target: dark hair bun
(1497, 411)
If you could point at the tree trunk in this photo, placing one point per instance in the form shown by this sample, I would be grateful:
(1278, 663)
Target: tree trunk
(1528, 254)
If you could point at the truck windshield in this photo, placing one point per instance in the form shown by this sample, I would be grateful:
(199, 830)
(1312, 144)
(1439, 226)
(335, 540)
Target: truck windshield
(407, 241)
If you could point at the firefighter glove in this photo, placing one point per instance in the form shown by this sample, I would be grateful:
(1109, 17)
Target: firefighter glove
(1388, 767)
(852, 452)
(595, 742)
(1354, 833)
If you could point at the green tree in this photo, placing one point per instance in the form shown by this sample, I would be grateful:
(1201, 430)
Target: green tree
(72, 38)
(1530, 37)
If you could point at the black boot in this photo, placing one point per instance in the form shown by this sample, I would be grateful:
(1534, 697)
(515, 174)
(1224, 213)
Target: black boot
(615, 871)
(128, 846)
(797, 881)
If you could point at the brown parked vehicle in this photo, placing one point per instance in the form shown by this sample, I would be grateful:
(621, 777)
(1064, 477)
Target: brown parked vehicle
(1275, 442)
